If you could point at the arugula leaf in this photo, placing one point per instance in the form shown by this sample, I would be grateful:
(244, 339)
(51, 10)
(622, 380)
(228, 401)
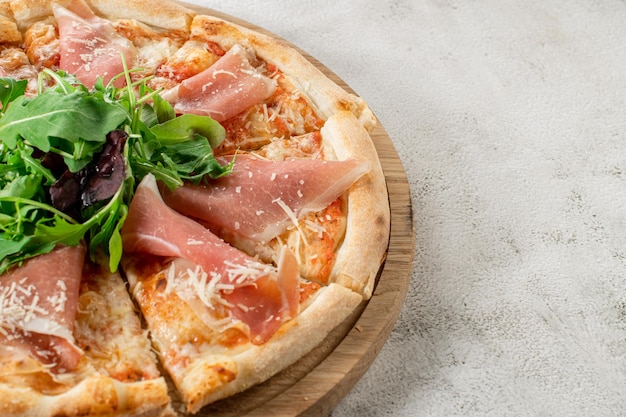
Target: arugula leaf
(186, 127)
(10, 89)
(62, 123)
(162, 109)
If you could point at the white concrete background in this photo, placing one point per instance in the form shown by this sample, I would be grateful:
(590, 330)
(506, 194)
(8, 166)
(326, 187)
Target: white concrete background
(510, 119)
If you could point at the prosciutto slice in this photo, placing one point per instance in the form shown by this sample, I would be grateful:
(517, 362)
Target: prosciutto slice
(38, 303)
(225, 89)
(260, 199)
(89, 45)
(261, 298)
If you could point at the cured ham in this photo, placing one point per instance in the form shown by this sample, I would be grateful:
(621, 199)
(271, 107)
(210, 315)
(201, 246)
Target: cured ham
(225, 89)
(261, 297)
(260, 199)
(89, 45)
(38, 304)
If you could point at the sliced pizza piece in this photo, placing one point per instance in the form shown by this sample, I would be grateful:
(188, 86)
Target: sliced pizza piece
(258, 296)
(215, 351)
(307, 102)
(72, 343)
(326, 212)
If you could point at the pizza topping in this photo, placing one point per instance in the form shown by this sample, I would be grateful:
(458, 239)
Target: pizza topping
(98, 182)
(223, 90)
(268, 295)
(116, 138)
(108, 329)
(89, 45)
(189, 60)
(273, 194)
(38, 304)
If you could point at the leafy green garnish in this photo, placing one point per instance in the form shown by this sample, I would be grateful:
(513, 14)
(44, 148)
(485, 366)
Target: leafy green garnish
(11, 89)
(73, 122)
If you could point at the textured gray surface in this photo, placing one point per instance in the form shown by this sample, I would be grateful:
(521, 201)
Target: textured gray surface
(510, 120)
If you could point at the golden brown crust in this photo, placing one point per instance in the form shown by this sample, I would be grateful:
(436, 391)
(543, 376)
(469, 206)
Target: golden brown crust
(96, 396)
(367, 233)
(162, 14)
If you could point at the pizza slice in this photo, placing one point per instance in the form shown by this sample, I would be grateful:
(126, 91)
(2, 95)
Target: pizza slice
(72, 343)
(322, 208)
(238, 321)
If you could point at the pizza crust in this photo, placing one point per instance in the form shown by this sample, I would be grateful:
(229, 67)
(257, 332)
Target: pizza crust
(218, 365)
(162, 14)
(364, 247)
(97, 395)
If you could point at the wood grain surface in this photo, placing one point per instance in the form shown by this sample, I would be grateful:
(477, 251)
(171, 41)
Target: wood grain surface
(318, 381)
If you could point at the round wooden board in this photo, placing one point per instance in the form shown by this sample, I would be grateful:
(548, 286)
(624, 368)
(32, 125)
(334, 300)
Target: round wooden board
(315, 384)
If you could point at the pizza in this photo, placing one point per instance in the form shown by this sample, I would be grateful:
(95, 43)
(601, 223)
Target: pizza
(188, 207)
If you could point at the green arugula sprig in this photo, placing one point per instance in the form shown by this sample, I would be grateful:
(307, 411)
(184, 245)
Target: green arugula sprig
(67, 119)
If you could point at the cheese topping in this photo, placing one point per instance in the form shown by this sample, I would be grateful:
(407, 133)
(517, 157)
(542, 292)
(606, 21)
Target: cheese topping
(205, 293)
(209, 287)
(292, 217)
(20, 309)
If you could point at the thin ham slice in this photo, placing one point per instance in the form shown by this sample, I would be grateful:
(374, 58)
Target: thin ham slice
(260, 199)
(223, 90)
(262, 301)
(89, 45)
(38, 303)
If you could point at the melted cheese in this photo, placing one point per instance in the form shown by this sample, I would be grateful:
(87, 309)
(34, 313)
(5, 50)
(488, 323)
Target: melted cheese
(109, 331)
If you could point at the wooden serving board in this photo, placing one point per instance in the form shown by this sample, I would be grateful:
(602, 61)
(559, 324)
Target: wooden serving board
(315, 384)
